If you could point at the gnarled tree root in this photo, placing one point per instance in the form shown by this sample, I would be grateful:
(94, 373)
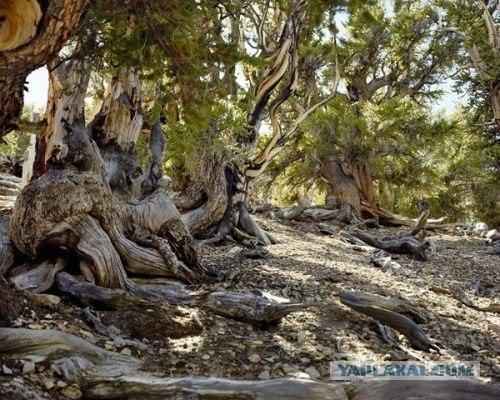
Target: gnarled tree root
(100, 228)
(103, 374)
(389, 312)
(245, 306)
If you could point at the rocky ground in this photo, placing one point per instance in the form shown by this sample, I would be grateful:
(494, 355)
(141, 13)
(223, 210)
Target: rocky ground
(306, 266)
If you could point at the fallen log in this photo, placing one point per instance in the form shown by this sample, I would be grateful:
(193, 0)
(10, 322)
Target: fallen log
(383, 310)
(103, 374)
(399, 245)
(255, 307)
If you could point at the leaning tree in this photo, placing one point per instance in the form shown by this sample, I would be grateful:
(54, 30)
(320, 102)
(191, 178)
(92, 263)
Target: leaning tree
(214, 201)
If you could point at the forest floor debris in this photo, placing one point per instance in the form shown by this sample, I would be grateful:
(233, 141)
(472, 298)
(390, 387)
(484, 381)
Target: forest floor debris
(306, 266)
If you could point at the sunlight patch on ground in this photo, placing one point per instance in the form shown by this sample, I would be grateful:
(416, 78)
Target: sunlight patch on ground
(187, 344)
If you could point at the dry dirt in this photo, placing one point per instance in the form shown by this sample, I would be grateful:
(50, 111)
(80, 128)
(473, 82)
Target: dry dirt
(306, 266)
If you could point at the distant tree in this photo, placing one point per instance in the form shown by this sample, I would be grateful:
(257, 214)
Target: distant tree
(474, 25)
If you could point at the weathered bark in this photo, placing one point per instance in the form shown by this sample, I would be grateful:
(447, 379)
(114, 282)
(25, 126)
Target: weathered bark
(23, 50)
(211, 183)
(92, 200)
(9, 185)
(389, 312)
(103, 374)
(6, 251)
(65, 107)
(341, 186)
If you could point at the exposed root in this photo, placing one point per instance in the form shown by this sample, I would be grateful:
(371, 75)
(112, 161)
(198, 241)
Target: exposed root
(103, 374)
(244, 306)
(251, 227)
(38, 279)
(111, 332)
(92, 222)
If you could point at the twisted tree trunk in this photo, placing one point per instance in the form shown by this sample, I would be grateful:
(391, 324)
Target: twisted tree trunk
(93, 205)
(220, 207)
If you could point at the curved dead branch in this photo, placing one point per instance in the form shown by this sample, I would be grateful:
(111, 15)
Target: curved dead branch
(386, 312)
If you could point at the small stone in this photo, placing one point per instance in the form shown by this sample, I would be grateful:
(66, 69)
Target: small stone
(301, 337)
(235, 250)
(289, 369)
(46, 299)
(475, 347)
(49, 384)
(126, 351)
(28, 367)
(305, 360)
(109, 345)
(344, 348)
(72, 392)
(313, 372)
(420, 283)
(6, 370)
(254, 343)
(61, 384)
(264, 375)
(205, 357)
(163, 351)
(254, 358)
(48, 316)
